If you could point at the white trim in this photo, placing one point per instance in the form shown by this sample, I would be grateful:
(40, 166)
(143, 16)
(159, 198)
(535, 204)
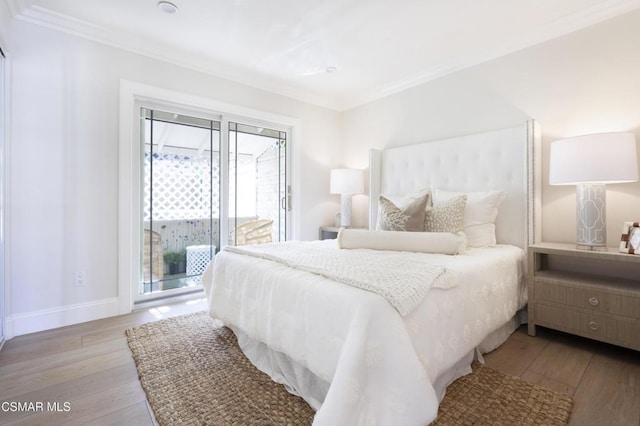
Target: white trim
(375, 164)
(27, 11)
(132, 95)
(47, 319)
(39, 15)
(174, 298)
(534, 182)
(6, 195)
(560, 27)
(224, 177)
(173, 294)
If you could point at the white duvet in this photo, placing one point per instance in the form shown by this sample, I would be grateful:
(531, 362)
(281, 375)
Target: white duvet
(381, 367)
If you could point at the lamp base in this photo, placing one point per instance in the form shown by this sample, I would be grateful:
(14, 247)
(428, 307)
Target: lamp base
(591, 248)
(345, 210)
(591, 206)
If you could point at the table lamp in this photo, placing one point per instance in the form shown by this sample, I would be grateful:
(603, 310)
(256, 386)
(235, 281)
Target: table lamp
(346, 182)
(590, 162)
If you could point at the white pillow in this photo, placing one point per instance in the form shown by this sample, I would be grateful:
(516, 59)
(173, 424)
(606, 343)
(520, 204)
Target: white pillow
(447, 216)
(418, 242)
(479, 214)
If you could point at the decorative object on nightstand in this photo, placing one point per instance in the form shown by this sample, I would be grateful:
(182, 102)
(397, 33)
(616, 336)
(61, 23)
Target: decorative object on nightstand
(630, 239)
(594, 294)
(346, 182)
(590, 162)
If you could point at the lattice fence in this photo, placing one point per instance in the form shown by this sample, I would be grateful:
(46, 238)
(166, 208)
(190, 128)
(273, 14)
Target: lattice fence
(181, 186)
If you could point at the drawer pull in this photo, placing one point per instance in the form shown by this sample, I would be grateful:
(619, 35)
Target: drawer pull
(593, 325)
(593, 301)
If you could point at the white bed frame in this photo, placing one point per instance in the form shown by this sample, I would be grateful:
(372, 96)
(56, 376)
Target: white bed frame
(506, 159)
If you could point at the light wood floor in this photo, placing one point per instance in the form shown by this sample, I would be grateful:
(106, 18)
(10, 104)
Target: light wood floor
(90, 367)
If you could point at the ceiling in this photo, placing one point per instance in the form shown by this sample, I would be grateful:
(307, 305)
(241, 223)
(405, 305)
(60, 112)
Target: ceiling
(378, 47)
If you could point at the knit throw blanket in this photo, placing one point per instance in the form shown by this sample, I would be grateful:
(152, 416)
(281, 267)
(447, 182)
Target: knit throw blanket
(400, 277)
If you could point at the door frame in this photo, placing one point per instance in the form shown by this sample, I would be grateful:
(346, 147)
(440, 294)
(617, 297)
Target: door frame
(5, 287)
(134, 95)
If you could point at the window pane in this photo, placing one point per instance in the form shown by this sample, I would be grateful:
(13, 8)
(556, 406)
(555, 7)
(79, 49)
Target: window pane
(180, 205)
(257, 185)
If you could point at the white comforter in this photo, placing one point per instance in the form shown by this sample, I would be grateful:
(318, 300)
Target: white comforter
(401, 278)
(381, 366)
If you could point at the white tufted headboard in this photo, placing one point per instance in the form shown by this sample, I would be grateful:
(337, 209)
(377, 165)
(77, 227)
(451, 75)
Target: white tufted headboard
(504, 160)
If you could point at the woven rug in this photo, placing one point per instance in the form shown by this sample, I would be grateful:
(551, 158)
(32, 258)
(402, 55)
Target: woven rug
(194, 373)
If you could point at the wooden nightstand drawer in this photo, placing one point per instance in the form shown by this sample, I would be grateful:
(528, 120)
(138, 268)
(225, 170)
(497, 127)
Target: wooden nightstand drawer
(619, 331)
(593, 297)
(594, 294)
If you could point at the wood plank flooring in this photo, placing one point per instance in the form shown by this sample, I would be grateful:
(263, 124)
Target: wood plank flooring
(603, 379)
(90, 367)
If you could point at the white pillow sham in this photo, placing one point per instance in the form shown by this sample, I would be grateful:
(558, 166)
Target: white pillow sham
(447, 216)
(479, 215)
(421, 242)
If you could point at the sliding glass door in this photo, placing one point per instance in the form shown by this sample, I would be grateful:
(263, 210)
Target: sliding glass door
(180, 206)
(206, 183)
(258, 198)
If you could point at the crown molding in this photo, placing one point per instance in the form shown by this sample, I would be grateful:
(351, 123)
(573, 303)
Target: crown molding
(560, 27)
(27, 11)
(37, 15)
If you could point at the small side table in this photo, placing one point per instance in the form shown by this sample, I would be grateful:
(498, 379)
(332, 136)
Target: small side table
(331, 232)
(593, 294)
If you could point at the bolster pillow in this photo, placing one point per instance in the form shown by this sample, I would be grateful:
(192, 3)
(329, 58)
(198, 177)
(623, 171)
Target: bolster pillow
(422, 242)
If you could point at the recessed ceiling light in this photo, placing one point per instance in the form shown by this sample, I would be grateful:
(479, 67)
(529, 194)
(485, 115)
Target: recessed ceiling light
(331, 69)
(167, 7)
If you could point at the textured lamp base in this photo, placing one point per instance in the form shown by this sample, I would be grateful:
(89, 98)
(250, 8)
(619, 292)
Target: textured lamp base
(591, 204)
(345, 210)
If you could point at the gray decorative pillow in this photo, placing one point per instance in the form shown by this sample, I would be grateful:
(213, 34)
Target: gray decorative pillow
(409, 218)
(447, 216)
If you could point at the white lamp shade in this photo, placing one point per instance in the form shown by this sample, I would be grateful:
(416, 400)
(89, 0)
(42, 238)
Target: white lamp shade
(347, 181)
(597, 158)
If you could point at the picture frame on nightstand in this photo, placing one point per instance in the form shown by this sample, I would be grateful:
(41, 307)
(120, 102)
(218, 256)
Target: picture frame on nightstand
(630, 239)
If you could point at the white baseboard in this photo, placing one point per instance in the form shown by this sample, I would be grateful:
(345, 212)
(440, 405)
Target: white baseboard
(46, 319)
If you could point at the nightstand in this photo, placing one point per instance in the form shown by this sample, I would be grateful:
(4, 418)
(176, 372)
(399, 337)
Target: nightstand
(330, 232)
(594, 294)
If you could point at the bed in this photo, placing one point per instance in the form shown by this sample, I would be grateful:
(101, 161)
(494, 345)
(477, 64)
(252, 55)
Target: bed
(355, 356)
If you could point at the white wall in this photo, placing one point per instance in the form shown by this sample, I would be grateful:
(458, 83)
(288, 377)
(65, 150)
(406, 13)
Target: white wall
(64, 165)
(585, 82)
(5, 25)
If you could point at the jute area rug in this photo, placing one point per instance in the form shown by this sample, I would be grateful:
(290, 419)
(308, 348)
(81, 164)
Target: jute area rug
(194, 373)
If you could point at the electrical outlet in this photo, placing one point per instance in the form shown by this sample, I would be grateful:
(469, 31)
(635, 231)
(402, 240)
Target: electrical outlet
(80, 279)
